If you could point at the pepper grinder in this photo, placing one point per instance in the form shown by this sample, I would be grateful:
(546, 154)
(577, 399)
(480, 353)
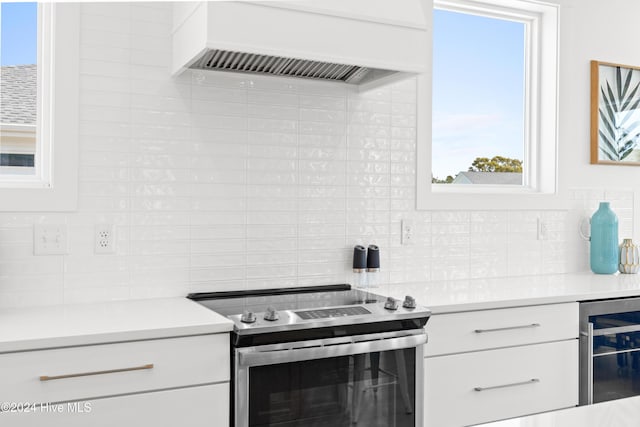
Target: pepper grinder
(359, 266)
(373, 265)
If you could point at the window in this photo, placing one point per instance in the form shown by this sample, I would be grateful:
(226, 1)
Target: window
(487, 113)
(17, 160)
(18, 89)
(478, 99)
(38, 130)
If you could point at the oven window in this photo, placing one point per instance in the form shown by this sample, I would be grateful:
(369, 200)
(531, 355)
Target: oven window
(369, 390)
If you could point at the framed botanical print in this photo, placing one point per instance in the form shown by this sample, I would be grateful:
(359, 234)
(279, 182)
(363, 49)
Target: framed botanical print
(615, 114)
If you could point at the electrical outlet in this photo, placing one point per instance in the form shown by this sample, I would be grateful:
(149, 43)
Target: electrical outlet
(105, 239)
(407, 229)
(50, 239)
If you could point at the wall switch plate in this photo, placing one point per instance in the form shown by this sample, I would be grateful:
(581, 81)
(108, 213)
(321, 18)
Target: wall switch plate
(542, 230)
(105, 239)
(50, 239)
(407, 230)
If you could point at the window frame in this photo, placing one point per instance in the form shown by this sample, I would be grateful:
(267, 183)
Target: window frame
(54, 187)
(540, 189)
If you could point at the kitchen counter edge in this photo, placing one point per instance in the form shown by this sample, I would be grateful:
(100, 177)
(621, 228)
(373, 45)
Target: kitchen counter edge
(37, 328)
(454, 296)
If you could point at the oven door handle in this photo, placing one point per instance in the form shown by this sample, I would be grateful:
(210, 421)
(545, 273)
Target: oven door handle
(253, 357)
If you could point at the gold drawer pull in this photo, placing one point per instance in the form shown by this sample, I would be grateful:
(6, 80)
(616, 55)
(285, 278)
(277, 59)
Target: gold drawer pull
(86, 374)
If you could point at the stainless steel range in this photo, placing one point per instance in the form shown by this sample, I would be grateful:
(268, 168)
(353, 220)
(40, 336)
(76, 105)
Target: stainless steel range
(323, 356)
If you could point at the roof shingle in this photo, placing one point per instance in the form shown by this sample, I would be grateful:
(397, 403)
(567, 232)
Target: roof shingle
(489, 178)
(18, 94)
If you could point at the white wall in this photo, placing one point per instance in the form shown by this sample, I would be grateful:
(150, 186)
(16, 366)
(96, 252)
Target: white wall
(218, 181)
(592, 30)
(603, 31)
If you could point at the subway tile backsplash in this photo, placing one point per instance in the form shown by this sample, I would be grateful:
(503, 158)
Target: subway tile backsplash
(218, 181)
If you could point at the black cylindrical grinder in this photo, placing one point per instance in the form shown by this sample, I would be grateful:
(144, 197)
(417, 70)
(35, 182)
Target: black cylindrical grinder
(359, 259)
(373, 258)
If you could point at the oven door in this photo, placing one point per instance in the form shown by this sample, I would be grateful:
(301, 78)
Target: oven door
(368, 380)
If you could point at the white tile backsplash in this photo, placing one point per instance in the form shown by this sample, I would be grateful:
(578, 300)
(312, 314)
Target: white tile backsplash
(217, 181)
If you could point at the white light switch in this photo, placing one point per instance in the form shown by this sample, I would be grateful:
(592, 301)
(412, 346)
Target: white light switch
(50, 239)
(542, 230)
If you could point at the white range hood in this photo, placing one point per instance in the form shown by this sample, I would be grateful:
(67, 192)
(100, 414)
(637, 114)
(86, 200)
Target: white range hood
(359, 42)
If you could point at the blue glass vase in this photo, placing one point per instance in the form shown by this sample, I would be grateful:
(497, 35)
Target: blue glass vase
(604, 240)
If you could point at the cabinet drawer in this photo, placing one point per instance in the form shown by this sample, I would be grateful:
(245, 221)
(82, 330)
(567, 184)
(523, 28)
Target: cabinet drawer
(481, 330)
(204, 406)
(513, 382)
(110, 369)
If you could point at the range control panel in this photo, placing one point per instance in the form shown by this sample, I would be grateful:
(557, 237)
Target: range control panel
(326, 313)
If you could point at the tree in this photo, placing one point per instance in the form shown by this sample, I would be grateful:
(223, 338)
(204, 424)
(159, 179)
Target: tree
(448, 180)
(496, 164)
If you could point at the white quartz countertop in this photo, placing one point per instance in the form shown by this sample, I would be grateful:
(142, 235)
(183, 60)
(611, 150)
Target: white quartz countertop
(82, 324)
(481, 294)
(616, 413)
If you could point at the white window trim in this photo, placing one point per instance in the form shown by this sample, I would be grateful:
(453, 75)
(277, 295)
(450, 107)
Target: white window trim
(540, 189)
(54, 187)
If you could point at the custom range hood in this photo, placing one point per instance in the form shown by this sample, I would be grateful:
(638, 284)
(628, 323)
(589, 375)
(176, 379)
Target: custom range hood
(358, 42)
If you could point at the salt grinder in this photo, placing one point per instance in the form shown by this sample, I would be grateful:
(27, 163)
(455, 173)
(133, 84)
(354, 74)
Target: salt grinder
(373, 265)
(359, 266)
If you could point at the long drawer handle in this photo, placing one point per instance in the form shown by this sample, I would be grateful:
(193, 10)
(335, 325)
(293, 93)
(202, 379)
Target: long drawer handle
(86, 374)
(531, 381)
(508, 328)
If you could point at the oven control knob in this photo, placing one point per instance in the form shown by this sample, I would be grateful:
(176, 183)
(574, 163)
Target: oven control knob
(409, 302)
(248, 317)
(271, 314)
(391, 304)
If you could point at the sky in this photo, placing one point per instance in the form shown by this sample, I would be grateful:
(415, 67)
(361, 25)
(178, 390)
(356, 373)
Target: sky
(18, 26)
(478, 111)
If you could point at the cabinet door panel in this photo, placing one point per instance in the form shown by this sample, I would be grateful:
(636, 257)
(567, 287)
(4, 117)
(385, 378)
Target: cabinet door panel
(482, 330)
(490, 385)
(204, 406)
(106, 370)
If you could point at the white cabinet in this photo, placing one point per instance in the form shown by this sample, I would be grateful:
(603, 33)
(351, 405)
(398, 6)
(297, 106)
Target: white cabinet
(484, 386)
(480, 330)
(203, 406)
(489, 365)
(160, 382)
(122, 368)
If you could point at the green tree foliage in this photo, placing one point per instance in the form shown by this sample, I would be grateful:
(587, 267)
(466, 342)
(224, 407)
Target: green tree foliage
(496, 164)
(448, 180)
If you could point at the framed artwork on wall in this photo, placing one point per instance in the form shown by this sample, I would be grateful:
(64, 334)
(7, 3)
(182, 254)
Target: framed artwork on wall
(615, 114)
